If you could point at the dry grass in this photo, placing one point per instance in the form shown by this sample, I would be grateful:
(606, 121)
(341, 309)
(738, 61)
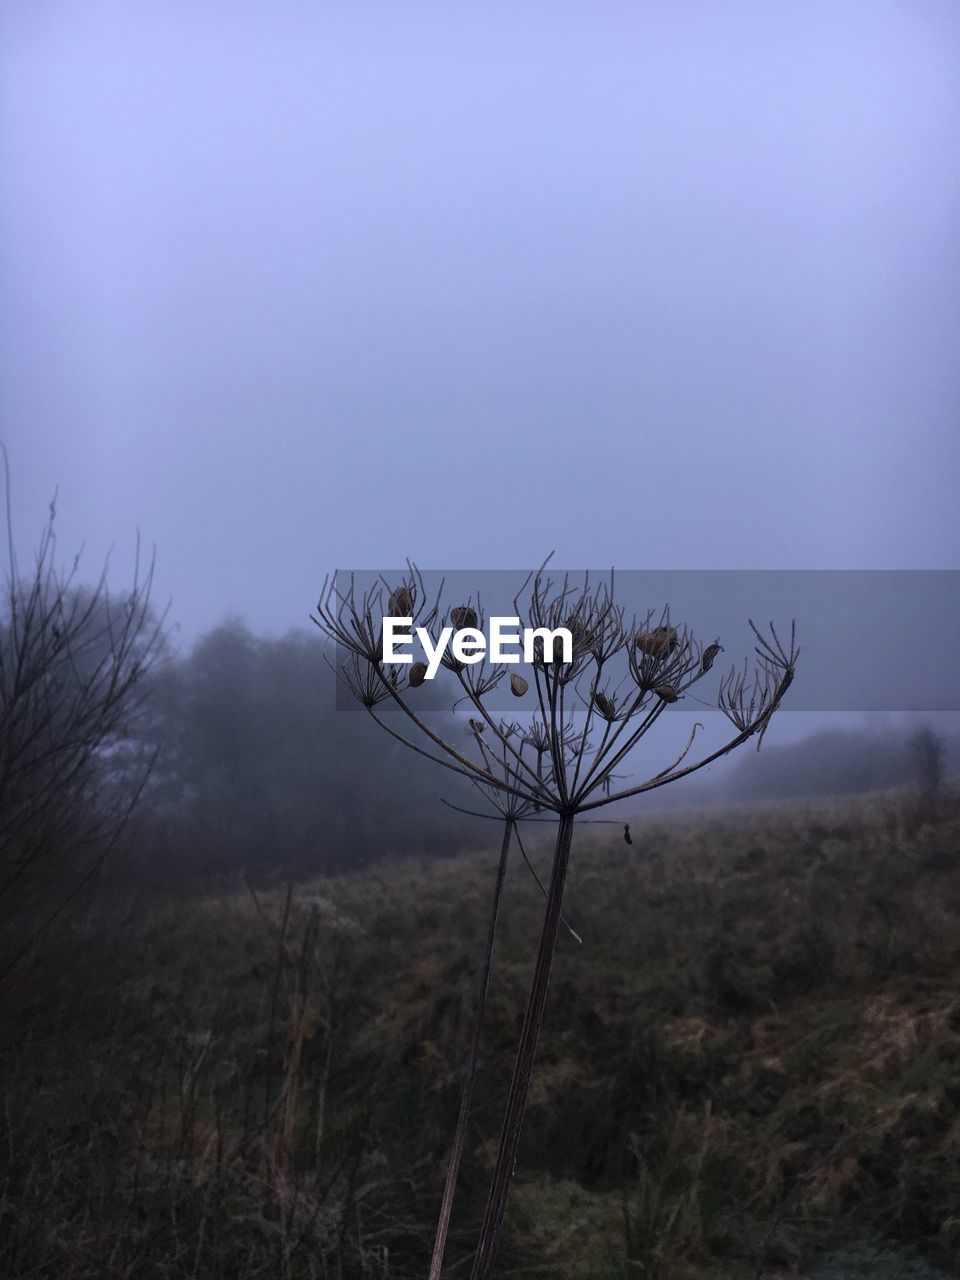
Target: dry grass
(753, 1057)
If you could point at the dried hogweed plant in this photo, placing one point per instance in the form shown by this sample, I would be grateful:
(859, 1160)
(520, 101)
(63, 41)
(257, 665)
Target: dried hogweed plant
(585, 717)
(510, 810)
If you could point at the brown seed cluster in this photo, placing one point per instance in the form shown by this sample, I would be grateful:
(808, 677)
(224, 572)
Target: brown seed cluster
(709, 656)
(658, 642)
(400, 603)
(604, 705)
(463, 616)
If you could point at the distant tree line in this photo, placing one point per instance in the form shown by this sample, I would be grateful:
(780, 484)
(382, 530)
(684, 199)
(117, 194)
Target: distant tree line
(259, 771)
(844, 762)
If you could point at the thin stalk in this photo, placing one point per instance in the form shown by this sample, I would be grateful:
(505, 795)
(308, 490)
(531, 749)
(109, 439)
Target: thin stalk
(466, 1098)
(492, 1228)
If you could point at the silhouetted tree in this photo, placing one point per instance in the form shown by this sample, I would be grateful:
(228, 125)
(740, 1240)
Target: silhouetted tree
(245, 782)
(927, 751)
(72, 666)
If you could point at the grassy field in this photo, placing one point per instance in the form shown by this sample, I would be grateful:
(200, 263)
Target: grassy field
(750, 1066)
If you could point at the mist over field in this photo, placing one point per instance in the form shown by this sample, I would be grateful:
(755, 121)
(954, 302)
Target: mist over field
(258, 772)
(642, 963)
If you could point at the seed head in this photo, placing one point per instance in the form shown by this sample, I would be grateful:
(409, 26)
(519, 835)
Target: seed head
(463, 616)
(518, 686)
(659, 641)
(604, 705)
(418, 673)
(477, 726)
(401, 603)
(665, 691)
(709, 655)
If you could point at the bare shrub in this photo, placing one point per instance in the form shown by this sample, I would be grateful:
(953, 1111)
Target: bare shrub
(72, 663)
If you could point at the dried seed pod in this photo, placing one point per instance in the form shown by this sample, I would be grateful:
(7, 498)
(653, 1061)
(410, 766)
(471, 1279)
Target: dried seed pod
(518, 686)
(626, 833)
(659, 641)
(418, 673)
(709, 656)
(477, 726)
(463, 616)
(665, 691)
(401, 603)
(604, 705)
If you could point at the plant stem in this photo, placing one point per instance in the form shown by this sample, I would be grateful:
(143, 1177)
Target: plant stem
(466, 1098)
(496, 1208)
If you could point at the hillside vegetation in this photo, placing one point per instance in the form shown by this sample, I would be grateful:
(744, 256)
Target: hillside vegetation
(750, 1065)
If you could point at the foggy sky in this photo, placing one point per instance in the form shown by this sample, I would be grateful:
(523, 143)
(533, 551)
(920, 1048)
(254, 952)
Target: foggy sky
(292, 286)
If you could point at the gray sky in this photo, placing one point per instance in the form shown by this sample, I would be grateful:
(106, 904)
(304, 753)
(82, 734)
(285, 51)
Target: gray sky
(292, 286)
